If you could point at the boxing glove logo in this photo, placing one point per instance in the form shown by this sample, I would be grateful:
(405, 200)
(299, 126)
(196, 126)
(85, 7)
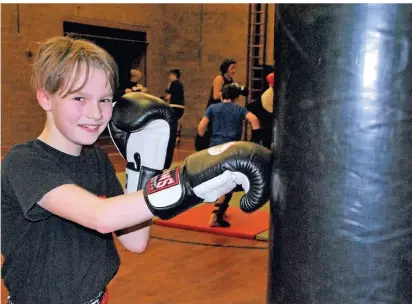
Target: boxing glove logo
(216, 150)
(164, 181)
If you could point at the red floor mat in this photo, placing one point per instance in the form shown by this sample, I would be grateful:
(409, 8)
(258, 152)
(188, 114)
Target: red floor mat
(243, 225)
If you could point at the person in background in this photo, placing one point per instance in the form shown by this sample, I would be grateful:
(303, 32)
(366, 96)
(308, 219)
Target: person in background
(135, 86)
(175, 96)
(263, 109)
(226, 119)
(267, 96)
(227, 72)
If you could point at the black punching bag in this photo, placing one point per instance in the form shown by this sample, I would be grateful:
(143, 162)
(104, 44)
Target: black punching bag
(341, 205)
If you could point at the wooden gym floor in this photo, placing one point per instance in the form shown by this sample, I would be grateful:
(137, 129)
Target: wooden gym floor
(181, 266)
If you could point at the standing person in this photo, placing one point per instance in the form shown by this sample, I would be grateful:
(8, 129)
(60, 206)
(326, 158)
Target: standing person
(52, 186)
(267, 115)
(267, 96)
(263, 109)
(60, 197)
(175, 96)
(135, 85)
(226, 120)
(227, 73)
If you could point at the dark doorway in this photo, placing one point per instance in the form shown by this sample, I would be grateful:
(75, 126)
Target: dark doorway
(127, 47)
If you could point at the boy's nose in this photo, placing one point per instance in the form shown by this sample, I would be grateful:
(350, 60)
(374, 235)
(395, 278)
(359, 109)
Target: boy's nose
(94, 111)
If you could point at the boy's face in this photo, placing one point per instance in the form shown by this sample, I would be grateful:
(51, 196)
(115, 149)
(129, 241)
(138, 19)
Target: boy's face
(172, 77)
(79, 118)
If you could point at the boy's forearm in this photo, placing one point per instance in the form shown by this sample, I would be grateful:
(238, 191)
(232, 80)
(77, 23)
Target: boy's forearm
(105, 215)
(135, 238)
(123, 211)
(202, 127)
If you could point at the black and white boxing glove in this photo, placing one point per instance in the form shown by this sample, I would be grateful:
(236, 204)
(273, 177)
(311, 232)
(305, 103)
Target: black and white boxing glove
(243, 90)
(143, 128)
(209, 174)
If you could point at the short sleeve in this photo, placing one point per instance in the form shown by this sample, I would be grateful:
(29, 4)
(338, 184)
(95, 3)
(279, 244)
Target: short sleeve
(209, 112)
(168, 88)
(27, 176)
(172, 89)
(243, 111)
(115, 188)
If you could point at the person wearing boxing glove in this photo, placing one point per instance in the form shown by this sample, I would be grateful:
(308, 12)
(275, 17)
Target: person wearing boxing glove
(60, 197)
(143, 129)
(227, 72)
(226, 122)
(263, 109)
(243, 90)
(207, 175)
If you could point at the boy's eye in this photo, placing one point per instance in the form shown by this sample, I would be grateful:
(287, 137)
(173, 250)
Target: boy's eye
(105, 100)
(79, 98)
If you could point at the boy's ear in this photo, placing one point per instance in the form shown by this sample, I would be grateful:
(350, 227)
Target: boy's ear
(43, 99)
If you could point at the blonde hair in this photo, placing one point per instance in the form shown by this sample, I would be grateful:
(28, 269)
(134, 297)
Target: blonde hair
(62, 61)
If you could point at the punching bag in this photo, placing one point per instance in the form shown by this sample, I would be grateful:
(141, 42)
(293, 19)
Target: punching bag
(341, 197)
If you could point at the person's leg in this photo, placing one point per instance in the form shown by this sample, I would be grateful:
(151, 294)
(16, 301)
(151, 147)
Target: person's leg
(225, 204)
(178, 114)
(218, 213)
(179, 130)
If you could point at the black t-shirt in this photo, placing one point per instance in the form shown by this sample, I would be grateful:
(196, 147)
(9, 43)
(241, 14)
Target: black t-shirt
(176, 90)
(48, 259)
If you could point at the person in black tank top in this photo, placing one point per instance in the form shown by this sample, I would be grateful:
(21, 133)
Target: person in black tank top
(227, 71)
(175, 97)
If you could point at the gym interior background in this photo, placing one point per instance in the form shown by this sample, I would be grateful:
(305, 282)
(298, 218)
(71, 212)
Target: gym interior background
(154, 37)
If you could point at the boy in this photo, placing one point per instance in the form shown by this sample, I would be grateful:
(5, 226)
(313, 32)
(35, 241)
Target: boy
(227, 124)
(227, 72)
(175, 96)
(60, 197)
(47, 258)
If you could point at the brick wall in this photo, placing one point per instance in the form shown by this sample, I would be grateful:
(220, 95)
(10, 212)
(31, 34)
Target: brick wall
(192, 37)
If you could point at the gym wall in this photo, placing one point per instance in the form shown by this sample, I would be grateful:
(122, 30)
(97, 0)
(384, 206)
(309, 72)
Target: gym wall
(192, 37)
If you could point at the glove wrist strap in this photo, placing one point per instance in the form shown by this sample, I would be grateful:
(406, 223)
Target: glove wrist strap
(168, 195)
(136, 180)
